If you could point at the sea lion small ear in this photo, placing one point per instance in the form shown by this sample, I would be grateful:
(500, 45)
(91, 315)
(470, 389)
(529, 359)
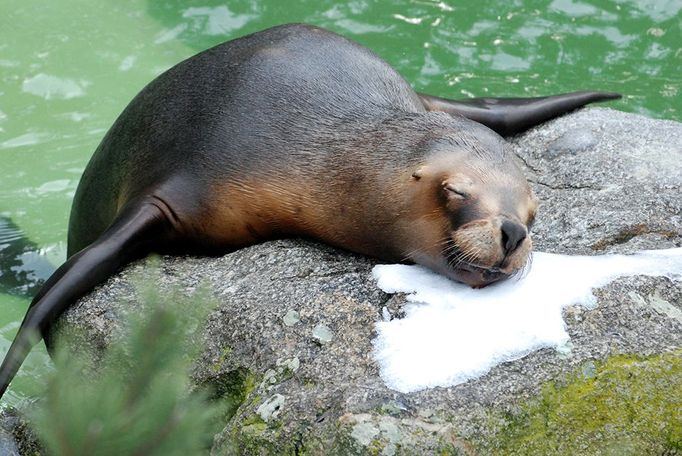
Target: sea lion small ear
(418, 173)
(455, 191)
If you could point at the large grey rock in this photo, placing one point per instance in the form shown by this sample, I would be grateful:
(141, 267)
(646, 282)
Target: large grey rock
(16, 436)
(607, 181)
(293, 333)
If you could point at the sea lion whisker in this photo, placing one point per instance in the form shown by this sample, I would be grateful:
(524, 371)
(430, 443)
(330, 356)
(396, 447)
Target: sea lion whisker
(469, 255)
(450, 247)
(523, 271)
(424, 250)
(409, 255)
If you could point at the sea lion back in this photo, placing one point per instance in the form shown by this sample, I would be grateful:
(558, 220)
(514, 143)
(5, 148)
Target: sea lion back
(263, 98)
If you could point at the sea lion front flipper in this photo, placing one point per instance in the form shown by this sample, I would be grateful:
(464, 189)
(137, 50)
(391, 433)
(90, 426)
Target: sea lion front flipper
(508, 116)
(134, 233)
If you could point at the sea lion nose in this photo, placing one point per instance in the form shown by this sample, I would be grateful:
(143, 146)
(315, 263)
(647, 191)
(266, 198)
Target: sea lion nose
(512, 236)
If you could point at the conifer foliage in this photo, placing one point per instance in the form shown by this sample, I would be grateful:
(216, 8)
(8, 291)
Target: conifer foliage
(135, 398)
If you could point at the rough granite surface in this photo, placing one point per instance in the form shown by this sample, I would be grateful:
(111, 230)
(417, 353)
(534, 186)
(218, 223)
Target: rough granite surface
(294, 328)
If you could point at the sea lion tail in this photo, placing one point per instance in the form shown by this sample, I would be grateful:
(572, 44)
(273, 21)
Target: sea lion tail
(509, 116)
(134, 233)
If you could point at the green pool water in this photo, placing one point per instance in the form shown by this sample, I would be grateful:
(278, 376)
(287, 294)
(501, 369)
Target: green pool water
(68, 67)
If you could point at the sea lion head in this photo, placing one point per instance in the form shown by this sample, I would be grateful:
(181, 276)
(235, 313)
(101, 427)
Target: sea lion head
(476, 209)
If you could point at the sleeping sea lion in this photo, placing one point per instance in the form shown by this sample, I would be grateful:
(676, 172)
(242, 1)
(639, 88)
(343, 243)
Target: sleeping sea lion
(297, 131)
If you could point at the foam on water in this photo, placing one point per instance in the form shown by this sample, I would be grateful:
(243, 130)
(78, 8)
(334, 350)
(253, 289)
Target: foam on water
(52, 87)
(452, 333)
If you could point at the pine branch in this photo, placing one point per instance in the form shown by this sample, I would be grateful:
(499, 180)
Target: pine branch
(138, 402)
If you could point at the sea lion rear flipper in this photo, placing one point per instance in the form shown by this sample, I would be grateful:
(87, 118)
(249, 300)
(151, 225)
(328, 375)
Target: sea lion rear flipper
(133, 233)
(508, 116)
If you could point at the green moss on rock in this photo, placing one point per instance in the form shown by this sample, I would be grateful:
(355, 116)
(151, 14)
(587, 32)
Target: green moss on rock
(224, 354)
(631, 405)
(230, 390)
(254, 436)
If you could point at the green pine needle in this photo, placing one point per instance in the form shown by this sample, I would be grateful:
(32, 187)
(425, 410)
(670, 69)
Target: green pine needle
(137, 400)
